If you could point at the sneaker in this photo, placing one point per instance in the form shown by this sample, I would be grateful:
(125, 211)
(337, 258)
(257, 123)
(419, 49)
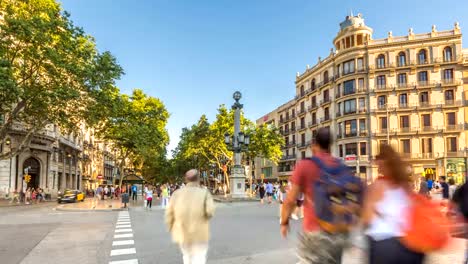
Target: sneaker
(294, 216)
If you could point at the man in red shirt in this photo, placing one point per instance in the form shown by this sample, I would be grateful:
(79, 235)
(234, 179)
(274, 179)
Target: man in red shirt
(315, 245)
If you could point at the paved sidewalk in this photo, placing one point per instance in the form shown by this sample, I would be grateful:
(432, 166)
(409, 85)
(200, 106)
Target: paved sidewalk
(452, 254)
(92, 204)
(6, 203)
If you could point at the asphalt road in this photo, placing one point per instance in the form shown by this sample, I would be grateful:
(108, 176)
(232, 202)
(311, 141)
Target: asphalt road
(241, 234)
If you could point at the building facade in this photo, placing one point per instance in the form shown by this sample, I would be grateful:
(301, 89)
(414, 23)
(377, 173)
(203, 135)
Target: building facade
(406, 91)
(265, 169)
(55, 161)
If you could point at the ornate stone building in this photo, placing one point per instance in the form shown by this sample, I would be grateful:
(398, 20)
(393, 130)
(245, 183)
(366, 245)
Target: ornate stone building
(56, 161)
(407, 91)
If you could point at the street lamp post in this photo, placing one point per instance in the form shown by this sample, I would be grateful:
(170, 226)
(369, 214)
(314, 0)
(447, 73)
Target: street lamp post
(239, 143)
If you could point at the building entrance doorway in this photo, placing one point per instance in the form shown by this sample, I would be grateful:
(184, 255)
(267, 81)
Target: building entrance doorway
(34, 169)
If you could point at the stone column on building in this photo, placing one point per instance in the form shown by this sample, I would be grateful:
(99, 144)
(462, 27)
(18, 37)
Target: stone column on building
(75, 179)
(63, 181)
(70, 177)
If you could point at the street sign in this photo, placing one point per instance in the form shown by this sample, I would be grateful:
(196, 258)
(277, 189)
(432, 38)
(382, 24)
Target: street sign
(350, 157)
(224, 168)
(262, 176)
(100, 177)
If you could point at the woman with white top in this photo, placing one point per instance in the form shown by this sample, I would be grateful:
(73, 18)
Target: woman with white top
(149, 197)
(385, 211)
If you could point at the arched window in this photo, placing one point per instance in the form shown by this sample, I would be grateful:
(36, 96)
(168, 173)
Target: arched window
(422, 56)
(401, 59)
(448, 54)
(312, 84)
(302, 90)
(381, 61)
(325, 77)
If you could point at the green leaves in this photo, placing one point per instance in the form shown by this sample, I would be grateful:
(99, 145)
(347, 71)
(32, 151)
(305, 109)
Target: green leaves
(136, 125)
(202, 145)
(50, 70)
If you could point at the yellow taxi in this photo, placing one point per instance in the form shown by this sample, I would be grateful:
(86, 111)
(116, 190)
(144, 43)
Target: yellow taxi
(71, 196)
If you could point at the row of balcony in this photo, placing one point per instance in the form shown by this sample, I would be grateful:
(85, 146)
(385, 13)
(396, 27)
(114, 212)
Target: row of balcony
(416, 85)
(416, 63)
(288, 157)
(361, 133)
(432, 155)
(288, 118)
(420, 105)
(352, 92)
(421, 130)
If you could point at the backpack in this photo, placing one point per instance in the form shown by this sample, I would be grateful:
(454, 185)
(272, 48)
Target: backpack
(428, 229)
(337, 197)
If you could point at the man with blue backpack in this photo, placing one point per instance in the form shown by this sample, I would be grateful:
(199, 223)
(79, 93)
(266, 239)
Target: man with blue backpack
(332, 200)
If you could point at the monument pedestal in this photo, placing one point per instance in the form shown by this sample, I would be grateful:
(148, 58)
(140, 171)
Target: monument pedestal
(237, 183)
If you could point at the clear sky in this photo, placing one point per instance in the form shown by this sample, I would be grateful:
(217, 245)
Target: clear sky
(194, 54)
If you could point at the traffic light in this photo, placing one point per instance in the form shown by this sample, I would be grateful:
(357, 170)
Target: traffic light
(27, 178)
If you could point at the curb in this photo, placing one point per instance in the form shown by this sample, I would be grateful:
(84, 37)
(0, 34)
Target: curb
(219, 200)
(62, 208)
(14, 205)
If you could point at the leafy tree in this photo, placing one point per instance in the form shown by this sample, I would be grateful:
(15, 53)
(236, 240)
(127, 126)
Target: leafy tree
(137, 127)
(50, 70)
(205, 141)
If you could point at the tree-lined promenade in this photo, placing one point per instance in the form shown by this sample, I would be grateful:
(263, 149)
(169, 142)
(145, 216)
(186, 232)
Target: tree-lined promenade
(51, 72)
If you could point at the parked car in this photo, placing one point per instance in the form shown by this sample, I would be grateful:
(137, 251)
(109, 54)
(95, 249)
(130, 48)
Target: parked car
(71, 196)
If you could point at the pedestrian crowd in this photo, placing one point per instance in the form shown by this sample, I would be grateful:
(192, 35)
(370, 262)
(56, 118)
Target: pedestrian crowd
(391, 216)
(32, 195)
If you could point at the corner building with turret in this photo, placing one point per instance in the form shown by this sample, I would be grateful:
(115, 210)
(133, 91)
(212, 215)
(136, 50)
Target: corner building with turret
(406, 91)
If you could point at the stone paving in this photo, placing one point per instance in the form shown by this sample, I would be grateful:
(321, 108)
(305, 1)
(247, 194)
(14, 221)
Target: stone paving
(93, 204)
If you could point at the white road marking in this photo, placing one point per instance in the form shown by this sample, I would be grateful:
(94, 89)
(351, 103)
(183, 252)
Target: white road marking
(123, 236)
(123, 230)
(128, 261)
(123, 226)
(123, 242)
(123, 251)
(123, 222)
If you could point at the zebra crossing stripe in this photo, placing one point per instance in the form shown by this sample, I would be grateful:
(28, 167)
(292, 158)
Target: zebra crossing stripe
(123, 251)
(128, 261)
(123, 236)
(123, 242)
(123, 230)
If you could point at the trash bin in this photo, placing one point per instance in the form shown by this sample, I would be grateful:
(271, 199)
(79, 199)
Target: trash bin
(125, 199)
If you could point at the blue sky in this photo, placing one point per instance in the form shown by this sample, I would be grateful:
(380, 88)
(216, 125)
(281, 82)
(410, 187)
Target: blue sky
(194, 54)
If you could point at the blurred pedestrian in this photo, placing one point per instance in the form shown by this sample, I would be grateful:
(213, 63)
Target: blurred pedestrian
(261, 191)
(187, 218)
(423, 187)
(149, 197)
(385, 205)
(165, 196)
(430, 184)
(317, 245)
(27, 197)
(134, 192)
(298, 212)
(269, 191)
(445, 188)
(281, 198)
(452, 187)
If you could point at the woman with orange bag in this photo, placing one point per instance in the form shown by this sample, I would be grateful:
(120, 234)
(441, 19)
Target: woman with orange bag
(388, 215)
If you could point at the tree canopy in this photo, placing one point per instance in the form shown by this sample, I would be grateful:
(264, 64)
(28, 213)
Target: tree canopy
(50, 70)
(202, 145)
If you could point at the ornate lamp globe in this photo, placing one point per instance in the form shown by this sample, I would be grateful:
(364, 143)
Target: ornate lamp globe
(237, 96)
